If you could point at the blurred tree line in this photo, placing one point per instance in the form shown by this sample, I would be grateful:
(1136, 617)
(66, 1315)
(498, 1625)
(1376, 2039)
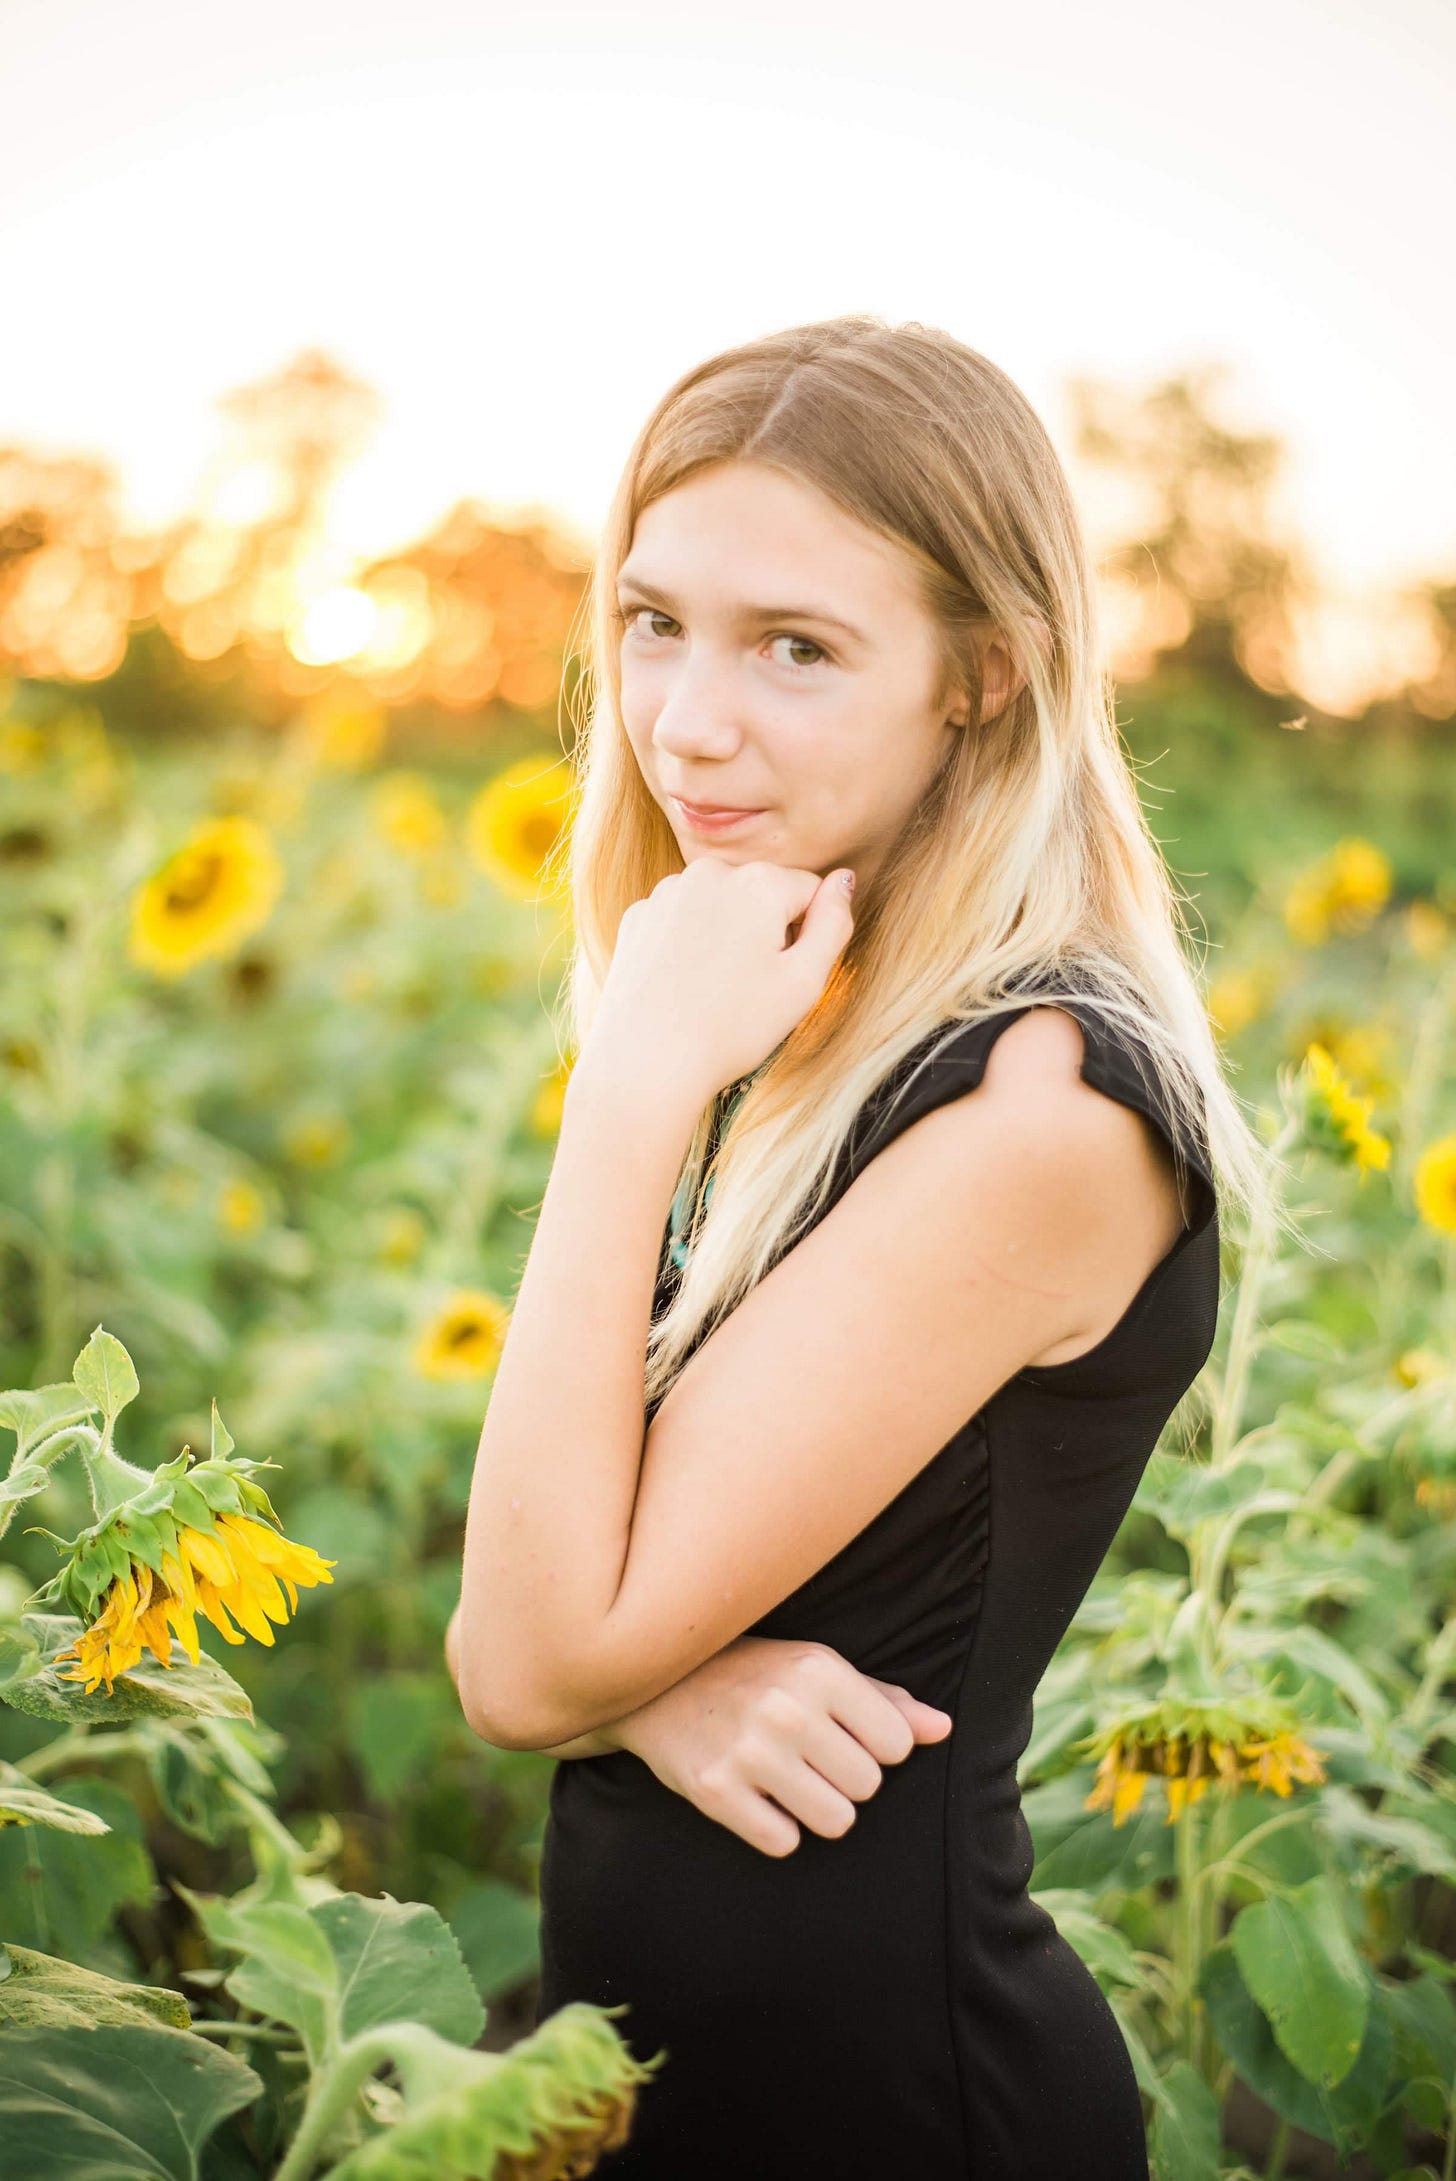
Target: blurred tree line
(244, 607)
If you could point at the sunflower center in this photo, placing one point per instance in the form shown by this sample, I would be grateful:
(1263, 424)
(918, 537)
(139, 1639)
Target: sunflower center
(195, 882)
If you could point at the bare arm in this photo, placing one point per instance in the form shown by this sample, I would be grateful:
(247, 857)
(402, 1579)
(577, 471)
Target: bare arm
(766, 1732)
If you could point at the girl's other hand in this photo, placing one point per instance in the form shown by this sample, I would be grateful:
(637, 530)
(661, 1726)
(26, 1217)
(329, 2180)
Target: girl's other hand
(770, 1732)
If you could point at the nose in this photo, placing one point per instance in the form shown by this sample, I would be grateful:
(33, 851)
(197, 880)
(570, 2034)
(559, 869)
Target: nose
(692, 723)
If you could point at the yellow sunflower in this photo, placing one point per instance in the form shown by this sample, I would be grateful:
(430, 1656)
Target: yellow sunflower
(1435, 1185)
(1190, 1746)
(514, 827)
(205, 900)
(1361, 1050)
(240, 1207)
(190, 1537)
(1336, 1120)
(1343, 892)
(1236, 999)
(402, 1235)
(1420, 1366)
(22, 746)
(241, 1570)
(316, 1139)
(465, 1338)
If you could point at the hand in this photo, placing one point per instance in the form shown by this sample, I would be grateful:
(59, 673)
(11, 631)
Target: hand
(768, 1717)
(707, 980)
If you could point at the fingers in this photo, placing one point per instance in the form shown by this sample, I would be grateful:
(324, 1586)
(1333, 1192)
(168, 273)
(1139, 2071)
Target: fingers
(929, 1723)
(723, 1794)
(820, 1785)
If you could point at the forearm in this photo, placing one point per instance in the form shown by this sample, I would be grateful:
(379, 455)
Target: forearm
(557, 1466)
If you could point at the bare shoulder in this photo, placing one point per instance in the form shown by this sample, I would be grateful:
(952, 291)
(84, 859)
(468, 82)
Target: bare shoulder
(1109, 1207)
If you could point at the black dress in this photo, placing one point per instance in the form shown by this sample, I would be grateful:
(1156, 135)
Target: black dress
(891, 2005)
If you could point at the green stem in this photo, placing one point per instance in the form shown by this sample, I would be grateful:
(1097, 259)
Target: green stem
(1278, 2150)
(56, 1176)
(1243, 1339)
(36, 1877)
(1230, 1864)
(266, 1821)
(1438, 1670)
(46, 1451)
(262, 2033)
(330, 2096)
(1190, 1932)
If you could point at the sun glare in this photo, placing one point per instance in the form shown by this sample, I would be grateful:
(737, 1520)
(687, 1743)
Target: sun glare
(334, 627)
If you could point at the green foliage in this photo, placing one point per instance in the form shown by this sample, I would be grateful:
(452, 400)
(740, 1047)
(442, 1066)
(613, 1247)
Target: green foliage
(149, 1691)
(263, 1179)
(134, 2099)
(60, 1889)
(344, 1965)
(38, 1992)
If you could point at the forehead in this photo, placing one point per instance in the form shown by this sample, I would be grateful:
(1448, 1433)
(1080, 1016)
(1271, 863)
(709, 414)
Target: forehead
(743, 532)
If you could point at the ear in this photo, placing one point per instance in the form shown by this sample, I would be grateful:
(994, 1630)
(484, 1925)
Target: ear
(1000, 680)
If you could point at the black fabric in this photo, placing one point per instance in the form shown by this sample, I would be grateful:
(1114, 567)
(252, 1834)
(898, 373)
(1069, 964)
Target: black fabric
(892, 2003)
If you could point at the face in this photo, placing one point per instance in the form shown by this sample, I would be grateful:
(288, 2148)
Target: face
(776, 659)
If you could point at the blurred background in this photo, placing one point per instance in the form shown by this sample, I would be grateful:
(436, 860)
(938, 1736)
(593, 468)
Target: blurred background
(328, 332)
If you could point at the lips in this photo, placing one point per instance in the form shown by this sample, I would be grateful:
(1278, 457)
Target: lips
(715, 810)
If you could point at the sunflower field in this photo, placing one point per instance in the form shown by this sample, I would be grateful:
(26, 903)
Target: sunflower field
(278, 1094)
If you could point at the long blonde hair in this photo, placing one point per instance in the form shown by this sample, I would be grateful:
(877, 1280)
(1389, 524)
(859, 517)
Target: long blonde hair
(1029, 855)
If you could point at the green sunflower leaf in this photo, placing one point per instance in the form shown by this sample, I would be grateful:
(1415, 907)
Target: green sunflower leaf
(119, 2099)
(106, 1374)
(22, 1802)
(148, 1690)
(42, 1991)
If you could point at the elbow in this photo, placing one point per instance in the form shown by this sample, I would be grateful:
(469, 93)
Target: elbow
(516, 1709)
(505, 1722)
(488, 1720)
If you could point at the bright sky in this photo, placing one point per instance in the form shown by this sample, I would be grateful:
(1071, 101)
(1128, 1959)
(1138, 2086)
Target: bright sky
(519, 220)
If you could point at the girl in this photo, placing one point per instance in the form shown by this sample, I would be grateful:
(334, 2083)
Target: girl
(881, 1243)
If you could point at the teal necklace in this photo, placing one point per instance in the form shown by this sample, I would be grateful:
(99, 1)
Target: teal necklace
(725, 1106)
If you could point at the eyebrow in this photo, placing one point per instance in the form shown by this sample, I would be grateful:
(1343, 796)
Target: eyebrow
(653, 594)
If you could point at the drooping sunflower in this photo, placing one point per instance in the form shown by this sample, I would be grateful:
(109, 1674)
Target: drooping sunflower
(204, 901)
(1337, 1119)
(514, 825)
(1189, 1745)
(170, 1545)
(465, 1338)
(547, 2110)
(1435, 1185)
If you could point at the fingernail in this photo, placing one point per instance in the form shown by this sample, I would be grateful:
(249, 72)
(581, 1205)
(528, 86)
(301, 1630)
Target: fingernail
(846, 880)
